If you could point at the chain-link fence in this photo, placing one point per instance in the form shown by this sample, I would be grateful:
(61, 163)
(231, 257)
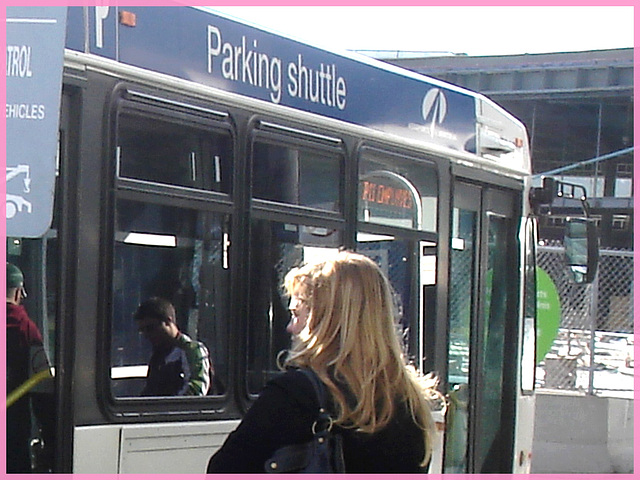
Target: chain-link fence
(593, 351)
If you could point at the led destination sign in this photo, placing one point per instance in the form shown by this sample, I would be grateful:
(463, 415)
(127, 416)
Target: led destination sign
(386, 195)
(389, 199)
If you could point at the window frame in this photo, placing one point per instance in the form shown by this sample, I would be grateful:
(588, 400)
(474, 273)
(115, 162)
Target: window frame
(275, 134)
(289, 135)
(417, 340)
(192, 120)
(189, 114)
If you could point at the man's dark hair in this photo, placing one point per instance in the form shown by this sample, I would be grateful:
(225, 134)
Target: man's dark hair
(156, 308)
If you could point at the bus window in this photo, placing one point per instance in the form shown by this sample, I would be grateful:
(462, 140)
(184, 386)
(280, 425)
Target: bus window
(462, 311)
(170, 153)
(276, 247)
(177, 254)
(397, 205)
(460, 301)
(397, 192)
(304, 177)
(493, 349)
(395, 257)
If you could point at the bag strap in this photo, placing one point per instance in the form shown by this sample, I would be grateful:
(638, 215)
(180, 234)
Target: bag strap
(324, 422)
(321, 455)
(318, 387)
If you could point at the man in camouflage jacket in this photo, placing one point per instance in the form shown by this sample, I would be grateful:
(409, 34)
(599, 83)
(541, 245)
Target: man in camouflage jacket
(178, 364)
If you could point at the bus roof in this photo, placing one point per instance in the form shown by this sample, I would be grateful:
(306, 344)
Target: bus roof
(215, 50)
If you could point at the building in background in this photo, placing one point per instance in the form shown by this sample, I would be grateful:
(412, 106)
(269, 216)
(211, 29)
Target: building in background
(577, 107)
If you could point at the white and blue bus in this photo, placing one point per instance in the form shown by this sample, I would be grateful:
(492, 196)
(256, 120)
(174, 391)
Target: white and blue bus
(198, 158)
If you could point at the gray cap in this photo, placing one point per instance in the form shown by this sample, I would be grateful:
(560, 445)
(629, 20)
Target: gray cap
(15, 278)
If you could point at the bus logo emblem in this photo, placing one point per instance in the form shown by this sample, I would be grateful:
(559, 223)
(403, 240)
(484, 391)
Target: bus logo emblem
(434, 108)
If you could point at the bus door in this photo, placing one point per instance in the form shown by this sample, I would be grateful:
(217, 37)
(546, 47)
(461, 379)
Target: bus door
(482, 331)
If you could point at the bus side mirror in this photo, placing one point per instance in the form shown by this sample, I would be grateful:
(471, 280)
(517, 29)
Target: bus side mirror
(581, 249)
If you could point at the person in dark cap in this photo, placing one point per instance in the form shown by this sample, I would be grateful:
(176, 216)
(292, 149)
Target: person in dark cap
(26, 357)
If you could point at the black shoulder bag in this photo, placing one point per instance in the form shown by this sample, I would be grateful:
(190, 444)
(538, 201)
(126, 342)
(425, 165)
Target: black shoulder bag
(323, 454)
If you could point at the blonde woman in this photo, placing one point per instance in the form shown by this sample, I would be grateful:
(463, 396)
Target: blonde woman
(349, 339)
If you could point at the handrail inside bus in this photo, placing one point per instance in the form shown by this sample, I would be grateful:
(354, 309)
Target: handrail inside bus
(27, 386)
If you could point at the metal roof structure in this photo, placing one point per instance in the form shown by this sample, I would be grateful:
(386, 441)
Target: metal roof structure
(599, 73)
(578, 110)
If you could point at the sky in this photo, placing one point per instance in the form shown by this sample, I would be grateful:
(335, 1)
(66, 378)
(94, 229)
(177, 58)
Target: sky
(471, 30)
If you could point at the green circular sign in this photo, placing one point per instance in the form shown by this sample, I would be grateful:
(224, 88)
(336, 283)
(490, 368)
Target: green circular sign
(548, 313)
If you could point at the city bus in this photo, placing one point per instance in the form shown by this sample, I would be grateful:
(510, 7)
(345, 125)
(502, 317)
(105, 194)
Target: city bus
(198, 158)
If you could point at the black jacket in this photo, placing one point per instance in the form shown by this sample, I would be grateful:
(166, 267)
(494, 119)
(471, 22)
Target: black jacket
(283, 415)
(26, 356)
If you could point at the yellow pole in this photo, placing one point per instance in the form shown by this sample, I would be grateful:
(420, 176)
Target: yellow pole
(23, 389)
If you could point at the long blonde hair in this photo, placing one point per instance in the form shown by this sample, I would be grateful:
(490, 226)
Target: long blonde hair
(351, 338)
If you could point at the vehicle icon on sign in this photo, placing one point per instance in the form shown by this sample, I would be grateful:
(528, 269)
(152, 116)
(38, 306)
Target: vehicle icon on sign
(16, 203)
